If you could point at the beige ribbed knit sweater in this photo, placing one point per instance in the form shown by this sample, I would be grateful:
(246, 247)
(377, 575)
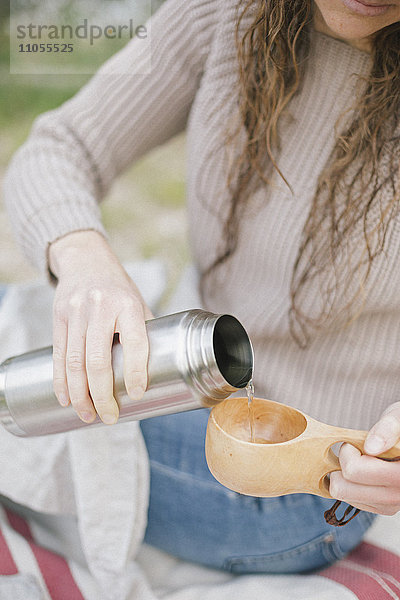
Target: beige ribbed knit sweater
(57, 178)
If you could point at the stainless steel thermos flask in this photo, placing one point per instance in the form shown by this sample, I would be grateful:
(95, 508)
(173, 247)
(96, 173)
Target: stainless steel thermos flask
(196, 359)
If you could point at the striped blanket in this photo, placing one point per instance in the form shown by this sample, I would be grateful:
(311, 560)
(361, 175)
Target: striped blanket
(29, 571)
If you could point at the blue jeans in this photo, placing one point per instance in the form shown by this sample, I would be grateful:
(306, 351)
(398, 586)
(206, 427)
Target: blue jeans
(194, 517)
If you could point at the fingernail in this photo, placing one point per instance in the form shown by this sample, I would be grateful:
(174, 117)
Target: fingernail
(63, 399)
(88, 417)
(374, 444)
(109, 418)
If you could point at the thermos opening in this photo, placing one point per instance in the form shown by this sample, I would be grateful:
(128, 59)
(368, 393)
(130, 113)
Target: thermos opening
(233, 351)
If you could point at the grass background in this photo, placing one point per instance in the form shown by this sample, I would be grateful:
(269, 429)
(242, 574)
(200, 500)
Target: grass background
(145, 211)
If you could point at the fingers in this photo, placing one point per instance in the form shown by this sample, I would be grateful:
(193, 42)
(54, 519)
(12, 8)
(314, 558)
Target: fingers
(385, 433)
(60, 384)
(384, 500)
(366, 482)
(95, 298)
(76, 369)
(99, 341)
(367, 470)
(147, 313)
(133, 337)
(83, 334)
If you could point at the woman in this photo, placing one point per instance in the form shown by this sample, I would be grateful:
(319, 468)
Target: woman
(292, 117)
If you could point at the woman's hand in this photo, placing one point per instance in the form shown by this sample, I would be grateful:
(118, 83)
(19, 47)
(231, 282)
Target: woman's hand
(94, 299)
(367, 482)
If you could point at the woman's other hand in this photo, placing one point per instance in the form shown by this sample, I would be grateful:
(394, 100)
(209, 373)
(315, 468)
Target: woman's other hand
(94, 299)
(367, 482)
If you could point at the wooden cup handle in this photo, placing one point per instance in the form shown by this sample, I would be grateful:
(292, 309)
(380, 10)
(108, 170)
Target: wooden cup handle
(357, 439)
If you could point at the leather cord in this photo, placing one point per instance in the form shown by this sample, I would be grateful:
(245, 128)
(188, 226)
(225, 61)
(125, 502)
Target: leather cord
(332, 519)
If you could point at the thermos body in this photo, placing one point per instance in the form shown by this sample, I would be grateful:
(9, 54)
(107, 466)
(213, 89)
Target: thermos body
(196, 359)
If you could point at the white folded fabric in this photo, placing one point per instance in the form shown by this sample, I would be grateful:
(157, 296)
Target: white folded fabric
(99, 475)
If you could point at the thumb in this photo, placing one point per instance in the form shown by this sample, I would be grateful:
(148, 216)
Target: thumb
(385, 433)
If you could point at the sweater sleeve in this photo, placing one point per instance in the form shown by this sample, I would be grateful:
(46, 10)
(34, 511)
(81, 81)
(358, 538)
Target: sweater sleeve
(56, 179)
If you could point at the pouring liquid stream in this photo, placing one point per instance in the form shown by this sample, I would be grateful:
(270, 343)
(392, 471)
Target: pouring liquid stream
(257, 432)
(250, 405)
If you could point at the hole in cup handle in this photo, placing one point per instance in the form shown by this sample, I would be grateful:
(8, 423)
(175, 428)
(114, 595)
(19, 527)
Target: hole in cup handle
(331, 460)
(339, 436)
(331, 463)
(357, 439)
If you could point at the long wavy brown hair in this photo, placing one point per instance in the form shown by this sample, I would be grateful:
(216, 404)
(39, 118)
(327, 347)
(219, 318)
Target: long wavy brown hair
(357, 195)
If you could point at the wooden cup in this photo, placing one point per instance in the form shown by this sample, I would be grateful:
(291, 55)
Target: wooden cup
(292, 454)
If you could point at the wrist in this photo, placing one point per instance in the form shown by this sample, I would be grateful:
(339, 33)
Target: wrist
(77, 249)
